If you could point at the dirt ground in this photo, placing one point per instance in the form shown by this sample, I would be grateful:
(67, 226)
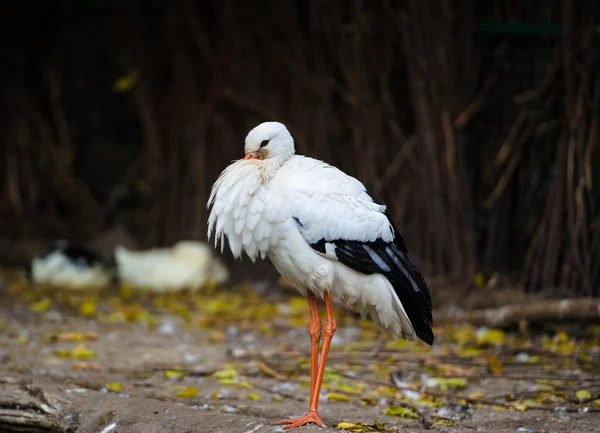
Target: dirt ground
(234, 361)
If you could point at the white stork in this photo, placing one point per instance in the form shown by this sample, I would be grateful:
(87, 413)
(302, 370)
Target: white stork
(323, 232)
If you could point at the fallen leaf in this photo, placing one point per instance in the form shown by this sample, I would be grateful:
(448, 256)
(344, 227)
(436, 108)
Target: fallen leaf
(332, 396)
(174, 374)
(265, 369)
(22, 339)
(80, 352)
(126, 83)
(228, 373)
(494, 365)
(115, 387)
(583, 395)
(235, 382)
(253, 397)
(190, 391)
(524, 405)
(351, 427)
(561, 337)
(86, 366)
(41, 306)
(404, 412)
(88, 308)
(83, 352)
(77, 336)
(443, 422)
(217, 336)
(492, 337)
(446, 383)
(479, 280)
(126, 291)
(351, 389)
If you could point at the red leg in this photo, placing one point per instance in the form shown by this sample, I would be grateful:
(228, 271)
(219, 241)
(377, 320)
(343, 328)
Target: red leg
(328, 332)
(315, 335)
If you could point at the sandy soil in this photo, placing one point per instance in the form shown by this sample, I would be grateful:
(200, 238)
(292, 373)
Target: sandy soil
(118, 363)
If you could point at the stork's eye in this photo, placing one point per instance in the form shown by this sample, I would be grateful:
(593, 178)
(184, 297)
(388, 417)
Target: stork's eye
(264, 143)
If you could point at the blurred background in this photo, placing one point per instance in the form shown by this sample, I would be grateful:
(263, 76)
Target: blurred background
(475, 122)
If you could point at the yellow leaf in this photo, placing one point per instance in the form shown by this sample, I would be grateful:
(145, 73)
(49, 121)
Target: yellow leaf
(174, 374)
(22, 339)
(143, 317)
(63, 353)
(329, 376)
(476, 395)
(77, 336)
(298, 305)
(83, 352)
(126, 83)
(493, 337)
(86, 366)
(228, 373)
(217, 336)
(126, 291)
(351, 427)
(446, 383)
(276, 398)
(583, 395)
(244, 384)
(88, 308)
(41, 306)
(337, 397)
(464, 335)
(479, 280)
(191, 391)
(443, 422)
(346, 425)
(397, 344)
(265, 369)
(561, 337)
(471, 352)
(494, 365)
(524, 405)
(253, 397)
(349, 389)
(404, 412)
(115, 387)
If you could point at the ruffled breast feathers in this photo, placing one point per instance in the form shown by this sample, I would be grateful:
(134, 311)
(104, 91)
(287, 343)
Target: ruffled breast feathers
(245, 211)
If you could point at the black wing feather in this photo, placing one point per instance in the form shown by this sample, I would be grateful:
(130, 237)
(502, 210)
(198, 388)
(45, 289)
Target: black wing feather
(391, 261)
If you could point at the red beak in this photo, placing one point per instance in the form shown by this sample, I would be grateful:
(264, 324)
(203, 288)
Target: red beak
(250, 155)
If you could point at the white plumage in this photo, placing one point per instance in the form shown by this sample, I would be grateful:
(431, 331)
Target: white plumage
(298, 211)
(69, 267)
(187, 265)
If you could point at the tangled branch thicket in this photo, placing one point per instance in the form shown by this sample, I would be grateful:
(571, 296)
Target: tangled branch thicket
(486, 163)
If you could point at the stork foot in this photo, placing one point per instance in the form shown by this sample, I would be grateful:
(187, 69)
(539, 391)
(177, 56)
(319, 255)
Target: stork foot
(311, 416)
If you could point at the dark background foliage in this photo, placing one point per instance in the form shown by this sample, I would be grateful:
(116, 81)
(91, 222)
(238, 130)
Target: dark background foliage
(476, 122)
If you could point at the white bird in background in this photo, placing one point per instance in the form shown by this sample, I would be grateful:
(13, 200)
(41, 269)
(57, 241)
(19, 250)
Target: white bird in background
(324, 233)
(187, 265)
(70, 266)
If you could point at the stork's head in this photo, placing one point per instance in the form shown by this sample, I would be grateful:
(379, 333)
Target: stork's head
(271, 142)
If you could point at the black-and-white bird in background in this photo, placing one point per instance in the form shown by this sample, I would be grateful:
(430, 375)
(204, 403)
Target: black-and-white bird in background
(324, 233)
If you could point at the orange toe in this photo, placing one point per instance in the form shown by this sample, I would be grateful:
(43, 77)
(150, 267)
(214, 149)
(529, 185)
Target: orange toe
(297, 422)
